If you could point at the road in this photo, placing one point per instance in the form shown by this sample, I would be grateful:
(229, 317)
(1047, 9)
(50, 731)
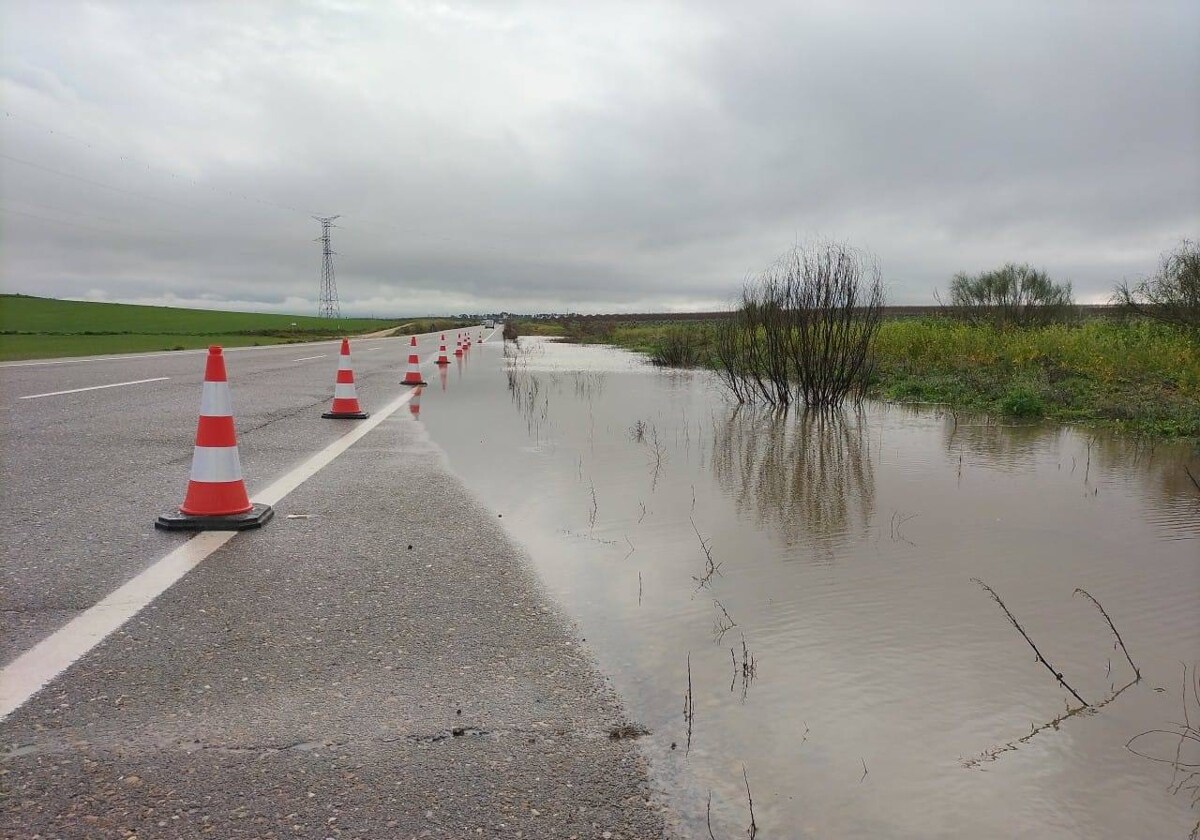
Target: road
(378, 661)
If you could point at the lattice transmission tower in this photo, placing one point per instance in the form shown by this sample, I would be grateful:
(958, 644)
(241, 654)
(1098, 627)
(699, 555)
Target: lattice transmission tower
(329, 296)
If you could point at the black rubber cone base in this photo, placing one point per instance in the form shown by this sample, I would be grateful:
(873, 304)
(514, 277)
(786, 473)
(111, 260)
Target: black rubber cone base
(256, 517)
(442, 364)
(415, 384)
(350, 415)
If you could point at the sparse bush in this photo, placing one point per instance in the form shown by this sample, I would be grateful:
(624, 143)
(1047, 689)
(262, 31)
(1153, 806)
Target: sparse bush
(510, 331)
(1172, 295)
(804, 329)
(1014, 295)
(679, 347)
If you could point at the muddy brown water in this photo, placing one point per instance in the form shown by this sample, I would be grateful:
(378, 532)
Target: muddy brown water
(879, 692)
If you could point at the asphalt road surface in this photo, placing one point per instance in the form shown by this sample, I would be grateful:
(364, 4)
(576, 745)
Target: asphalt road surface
(379, 661)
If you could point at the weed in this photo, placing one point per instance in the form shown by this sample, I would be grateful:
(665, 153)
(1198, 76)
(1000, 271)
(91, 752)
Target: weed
(1021, 401)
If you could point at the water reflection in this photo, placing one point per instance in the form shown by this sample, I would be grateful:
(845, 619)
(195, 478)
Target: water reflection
(891, 655)
(1160, 470)
(531, 397)
(807, 474)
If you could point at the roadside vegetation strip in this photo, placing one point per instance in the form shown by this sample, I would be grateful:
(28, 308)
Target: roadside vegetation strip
(25, 314)
(41, 328)
(1132, 374)
(31, 671)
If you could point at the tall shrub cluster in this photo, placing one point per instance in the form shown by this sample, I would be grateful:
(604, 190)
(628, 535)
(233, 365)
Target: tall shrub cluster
(1013, 295)
(1172, 295)
(803, 330)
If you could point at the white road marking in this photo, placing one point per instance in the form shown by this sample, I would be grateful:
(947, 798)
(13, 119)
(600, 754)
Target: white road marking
(94, 388)
(306, 358)
(26, 675)
(370, 349)
(120, 357)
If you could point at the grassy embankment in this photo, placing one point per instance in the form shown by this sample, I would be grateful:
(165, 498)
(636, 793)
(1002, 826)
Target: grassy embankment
(35, 328)
(1133, 375)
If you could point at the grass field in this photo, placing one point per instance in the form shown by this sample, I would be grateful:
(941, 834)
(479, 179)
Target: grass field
(34, 328)
(1134, 375)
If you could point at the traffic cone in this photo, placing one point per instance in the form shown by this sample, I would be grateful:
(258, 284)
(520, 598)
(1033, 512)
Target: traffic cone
(441, 359)
(481, 336)
(413, 376)
(216, 497)
(458, 346)
(414, 405)
(345, 398)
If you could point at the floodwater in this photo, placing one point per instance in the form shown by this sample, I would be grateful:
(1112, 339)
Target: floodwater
(840, 653)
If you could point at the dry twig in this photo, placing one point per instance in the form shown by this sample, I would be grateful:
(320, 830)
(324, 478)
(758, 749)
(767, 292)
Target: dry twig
(1112, 627)
(1012, 619)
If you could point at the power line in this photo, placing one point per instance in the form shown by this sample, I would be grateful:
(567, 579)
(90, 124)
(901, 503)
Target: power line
(99, 184)
(152, 167)
(359, 221)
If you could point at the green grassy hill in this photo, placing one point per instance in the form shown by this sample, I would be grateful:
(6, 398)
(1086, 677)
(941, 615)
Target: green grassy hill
(34, 328)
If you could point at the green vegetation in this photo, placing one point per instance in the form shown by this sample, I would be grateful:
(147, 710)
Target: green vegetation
(430, 325)
(1132, 374)
(33, 327)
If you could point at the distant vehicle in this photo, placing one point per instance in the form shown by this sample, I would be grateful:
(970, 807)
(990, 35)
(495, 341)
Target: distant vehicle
(490, 324)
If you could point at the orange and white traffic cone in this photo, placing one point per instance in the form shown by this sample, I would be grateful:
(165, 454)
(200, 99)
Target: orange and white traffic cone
(413, 375)
(345, 398)
(414, 405)
(458, 346)
(441, 359)
(216, 497)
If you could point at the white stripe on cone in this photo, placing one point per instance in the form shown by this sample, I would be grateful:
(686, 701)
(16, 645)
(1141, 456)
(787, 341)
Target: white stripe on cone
(215, 400)
(344, 362)
(344, 391)
(216, 464)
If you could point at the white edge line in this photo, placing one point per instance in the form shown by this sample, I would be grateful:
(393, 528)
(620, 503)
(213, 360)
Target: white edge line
(94, 388)
(26, 675)
(321, 356)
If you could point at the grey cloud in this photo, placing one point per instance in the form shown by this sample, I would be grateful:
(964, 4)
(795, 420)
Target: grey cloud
(622, 156)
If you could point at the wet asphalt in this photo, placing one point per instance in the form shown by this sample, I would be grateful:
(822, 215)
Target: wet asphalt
(316, 678)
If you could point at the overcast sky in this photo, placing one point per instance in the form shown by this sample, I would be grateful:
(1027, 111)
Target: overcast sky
(594, 157)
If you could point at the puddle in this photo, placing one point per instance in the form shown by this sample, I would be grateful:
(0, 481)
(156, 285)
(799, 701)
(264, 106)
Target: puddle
(815, 573)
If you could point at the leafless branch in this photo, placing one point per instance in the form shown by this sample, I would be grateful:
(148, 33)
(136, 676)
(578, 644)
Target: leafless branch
(1012, 619)
(1112, 627)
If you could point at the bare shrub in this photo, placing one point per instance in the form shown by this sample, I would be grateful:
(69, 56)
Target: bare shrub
(679, 347)
(1013, 295)
(1172, 294)
(804, 329)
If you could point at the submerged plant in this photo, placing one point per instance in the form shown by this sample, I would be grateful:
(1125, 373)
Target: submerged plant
(804, 330)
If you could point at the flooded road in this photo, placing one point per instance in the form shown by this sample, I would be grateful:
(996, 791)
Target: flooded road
(794, 596)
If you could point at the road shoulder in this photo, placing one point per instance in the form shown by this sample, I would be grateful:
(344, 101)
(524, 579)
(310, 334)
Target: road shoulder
(320, 678)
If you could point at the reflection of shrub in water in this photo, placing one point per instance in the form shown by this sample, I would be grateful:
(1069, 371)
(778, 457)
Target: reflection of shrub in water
(588, 384)
(1162, 466)
(529, 398)
(809, 474)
